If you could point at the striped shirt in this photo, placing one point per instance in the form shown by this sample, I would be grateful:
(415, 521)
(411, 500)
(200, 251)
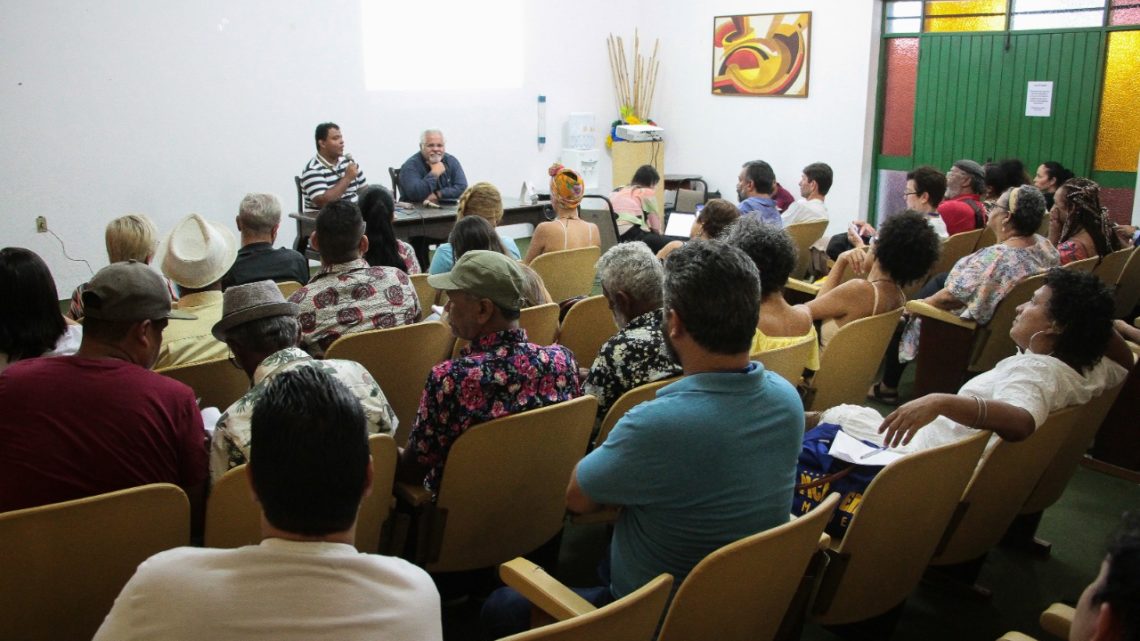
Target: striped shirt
(319, 176)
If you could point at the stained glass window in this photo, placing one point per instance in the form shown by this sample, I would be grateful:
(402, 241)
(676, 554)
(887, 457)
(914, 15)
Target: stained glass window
(1118, 136)
(898, 96)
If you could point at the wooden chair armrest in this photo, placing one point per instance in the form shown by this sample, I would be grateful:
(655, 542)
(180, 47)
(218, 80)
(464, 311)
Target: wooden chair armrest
(1015, 636)
(930, 311)
(414, 495)
(542, 590)
(1057, 619)
(606, 515)
(802, 287)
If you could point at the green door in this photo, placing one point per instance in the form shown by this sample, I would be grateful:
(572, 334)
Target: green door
(971, 90)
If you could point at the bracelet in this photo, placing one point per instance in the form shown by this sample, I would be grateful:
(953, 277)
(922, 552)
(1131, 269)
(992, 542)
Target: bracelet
(983, 412)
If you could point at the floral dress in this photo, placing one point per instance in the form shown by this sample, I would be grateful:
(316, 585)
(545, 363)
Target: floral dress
(982, 279)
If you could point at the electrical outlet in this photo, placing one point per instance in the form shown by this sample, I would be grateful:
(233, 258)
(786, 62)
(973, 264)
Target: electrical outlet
(41, 224)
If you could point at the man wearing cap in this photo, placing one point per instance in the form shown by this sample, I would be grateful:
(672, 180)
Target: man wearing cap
(962, 210)
(195, 256)
(348, 295)
(261, 330)
(499, 374)
(258, 219)
(99, 421)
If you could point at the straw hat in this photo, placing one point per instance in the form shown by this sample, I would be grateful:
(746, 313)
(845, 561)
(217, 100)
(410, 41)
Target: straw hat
(197, 252)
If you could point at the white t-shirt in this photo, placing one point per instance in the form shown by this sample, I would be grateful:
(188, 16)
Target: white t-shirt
(938, 225)
(1037, 383)
(281, 590)
(804, 211)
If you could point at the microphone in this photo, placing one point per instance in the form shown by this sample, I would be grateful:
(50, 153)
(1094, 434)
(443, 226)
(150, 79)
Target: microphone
(348, 157)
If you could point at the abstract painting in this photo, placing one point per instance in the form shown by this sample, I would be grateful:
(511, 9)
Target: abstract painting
(761, 55)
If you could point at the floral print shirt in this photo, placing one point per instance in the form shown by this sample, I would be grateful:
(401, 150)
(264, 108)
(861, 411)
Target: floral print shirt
(353, 297)
(1071, 251)
(408, 253)
(497, 375)
(634, 356)
(982, 279)
(230, 445)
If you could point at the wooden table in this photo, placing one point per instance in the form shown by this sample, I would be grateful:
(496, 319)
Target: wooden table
(423, 226)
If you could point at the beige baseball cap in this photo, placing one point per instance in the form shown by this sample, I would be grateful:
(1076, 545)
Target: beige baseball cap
(486, 274)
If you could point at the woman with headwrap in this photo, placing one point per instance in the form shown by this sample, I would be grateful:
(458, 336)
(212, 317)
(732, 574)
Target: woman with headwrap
(567, 230)
(1078, 225)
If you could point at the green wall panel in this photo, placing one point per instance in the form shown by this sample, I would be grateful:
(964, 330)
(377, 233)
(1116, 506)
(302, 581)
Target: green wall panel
(970, 99)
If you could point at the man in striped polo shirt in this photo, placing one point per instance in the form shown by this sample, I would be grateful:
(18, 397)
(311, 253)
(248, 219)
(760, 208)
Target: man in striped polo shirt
(330, 175)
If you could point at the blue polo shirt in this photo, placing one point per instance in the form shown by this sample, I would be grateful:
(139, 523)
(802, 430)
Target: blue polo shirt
(762, 209)
(711, 460)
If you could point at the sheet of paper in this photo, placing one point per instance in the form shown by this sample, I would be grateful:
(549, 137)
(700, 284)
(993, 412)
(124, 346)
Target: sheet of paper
(1039, 99)
(679, 224)
(852, 450)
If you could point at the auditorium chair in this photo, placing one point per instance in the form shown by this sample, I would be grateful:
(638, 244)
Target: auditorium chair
(950, 252)
(628, 401)
(233, 517)
(569, 272)
(400, 359)
(847, 366)
(789, 362)
(1127, 292)
(539, 321)
(1086, 265)
(217, 383)
(892, 536)
(62, 565)
(288, 287)
(1055, 620)
(1112, 265)
(740, 592)
(633, 617)
(588, 325)
(988, 237)
(425, 293)
(503, 491)
(951, 346)
(803, 235)
(1000, 485)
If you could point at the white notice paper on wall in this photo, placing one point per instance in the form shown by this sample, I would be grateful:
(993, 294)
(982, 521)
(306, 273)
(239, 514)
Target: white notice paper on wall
(1039, 99)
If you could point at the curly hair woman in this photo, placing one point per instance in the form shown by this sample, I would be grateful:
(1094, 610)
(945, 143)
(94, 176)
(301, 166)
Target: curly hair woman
(906, 248)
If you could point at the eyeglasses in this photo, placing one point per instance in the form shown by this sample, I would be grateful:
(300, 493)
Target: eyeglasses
(233, 360)
(910, 193)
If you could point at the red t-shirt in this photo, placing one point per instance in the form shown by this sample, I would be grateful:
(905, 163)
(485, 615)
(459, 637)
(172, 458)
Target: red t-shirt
(73, 427)
(959, 214)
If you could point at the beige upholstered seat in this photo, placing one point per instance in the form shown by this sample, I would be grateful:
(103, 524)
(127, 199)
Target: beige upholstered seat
(400, 360)
(628, 401)
(1112, 265)
(569, 272)
(1127, 293)
(1055, 620)
(1000, 487)
(503, 489)
(949, 345)
(803, 235)
(587, 326)
(216, 383)
(895, 531)
(540, 323)
(952, 250)
(1086, 265)
(848, 365)
(62, 565)
(789, 362)
(233, 517)
(288, 287)
(425, 293)
(740, 592)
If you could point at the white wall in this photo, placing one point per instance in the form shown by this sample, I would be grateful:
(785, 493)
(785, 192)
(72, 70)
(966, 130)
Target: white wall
(714, 135)
(177, 107)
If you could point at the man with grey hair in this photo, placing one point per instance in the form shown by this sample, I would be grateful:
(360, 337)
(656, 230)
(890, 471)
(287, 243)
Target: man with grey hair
(962, 208)
(631, 278)
(432, 175)
(262, 332)
(258, 219)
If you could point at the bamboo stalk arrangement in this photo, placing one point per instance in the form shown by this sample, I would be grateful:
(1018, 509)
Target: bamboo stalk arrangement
(634, 92)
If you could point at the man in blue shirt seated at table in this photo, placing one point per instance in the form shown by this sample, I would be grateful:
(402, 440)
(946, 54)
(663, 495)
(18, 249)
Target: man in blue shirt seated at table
(709, 461)
(754, 188)
(432, 175)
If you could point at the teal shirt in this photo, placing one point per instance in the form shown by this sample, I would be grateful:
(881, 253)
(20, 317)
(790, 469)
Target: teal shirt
(444, 257)
(711, 460)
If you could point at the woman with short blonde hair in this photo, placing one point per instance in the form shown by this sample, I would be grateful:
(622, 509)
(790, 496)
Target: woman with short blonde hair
(131, 237)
